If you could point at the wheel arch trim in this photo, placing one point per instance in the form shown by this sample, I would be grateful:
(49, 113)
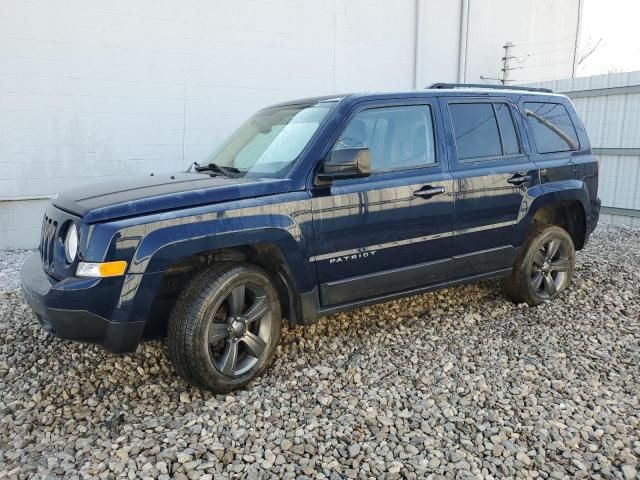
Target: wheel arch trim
(558, 193)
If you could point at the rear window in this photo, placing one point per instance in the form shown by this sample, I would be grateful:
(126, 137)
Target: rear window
(483, 130)
(553, 130)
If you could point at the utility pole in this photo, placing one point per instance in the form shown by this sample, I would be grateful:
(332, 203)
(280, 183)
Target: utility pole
(505, 63)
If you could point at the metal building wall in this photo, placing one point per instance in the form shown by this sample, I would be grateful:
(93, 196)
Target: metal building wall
(609, 105)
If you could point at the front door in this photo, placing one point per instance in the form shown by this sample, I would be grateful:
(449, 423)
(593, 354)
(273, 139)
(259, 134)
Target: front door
(389, 232)
(492, 175)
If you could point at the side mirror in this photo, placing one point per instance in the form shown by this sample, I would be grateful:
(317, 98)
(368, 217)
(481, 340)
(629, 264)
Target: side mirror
(346, 163)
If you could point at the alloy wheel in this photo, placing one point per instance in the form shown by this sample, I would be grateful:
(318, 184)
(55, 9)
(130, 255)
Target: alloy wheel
(549, 268)
(240, 330)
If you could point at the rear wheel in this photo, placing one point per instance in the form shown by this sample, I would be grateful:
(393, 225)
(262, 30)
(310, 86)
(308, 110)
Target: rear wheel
(545, 266)
(225, 327)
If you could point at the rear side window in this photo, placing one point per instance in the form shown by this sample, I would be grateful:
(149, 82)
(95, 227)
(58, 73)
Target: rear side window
(553, 130)
(483, 130)
(397, 137)
(510, 143)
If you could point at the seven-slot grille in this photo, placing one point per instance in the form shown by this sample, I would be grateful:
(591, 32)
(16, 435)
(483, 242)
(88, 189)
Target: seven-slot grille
(47, 240)
(54, 226)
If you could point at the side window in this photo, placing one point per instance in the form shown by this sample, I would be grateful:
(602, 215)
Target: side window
(476, 130)
(510, 145)
(553, 130)
(398, 137)
(483, 130)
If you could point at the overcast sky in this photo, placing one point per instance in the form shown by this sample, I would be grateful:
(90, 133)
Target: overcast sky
(616, 22)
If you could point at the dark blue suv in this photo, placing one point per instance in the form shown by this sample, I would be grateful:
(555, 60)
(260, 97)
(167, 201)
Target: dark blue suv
(316, 206)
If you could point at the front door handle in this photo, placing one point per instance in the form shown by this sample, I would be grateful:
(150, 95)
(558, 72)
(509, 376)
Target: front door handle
(428, 191)
(519, 179)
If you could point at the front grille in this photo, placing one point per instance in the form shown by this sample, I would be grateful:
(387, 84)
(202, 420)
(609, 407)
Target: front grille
(47, 241)
(54, 225)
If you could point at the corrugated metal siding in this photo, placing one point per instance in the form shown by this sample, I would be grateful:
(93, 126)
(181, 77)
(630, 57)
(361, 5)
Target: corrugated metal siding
(620, 220)
(620, 181)
(609, 106)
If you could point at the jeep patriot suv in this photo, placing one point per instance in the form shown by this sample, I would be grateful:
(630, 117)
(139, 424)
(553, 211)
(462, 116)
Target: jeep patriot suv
(317, 206)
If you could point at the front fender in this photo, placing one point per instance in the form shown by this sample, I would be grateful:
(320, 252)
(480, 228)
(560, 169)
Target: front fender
(160, 248)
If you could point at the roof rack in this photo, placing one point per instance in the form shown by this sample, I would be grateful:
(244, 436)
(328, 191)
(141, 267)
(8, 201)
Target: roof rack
(485, 85)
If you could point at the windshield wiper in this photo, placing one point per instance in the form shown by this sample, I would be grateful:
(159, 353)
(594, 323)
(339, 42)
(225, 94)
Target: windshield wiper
(232, 172)
(226, 171)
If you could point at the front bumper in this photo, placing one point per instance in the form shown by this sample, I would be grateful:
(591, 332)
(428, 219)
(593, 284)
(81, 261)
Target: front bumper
(67, 309)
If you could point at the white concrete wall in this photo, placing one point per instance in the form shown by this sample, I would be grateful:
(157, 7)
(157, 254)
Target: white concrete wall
(543, 33)
(93, 90)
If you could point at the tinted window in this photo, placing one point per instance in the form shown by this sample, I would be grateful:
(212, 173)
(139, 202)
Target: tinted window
(510, 145)
(476, 130)
(398, 137)
(552, 127)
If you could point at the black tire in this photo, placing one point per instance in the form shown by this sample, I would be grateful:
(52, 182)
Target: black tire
(544, 267)
(211, 307)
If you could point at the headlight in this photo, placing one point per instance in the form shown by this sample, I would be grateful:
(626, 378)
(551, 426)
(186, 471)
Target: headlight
(71, 243)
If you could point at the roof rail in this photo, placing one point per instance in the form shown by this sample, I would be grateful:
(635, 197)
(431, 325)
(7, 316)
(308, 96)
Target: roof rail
(485, 85)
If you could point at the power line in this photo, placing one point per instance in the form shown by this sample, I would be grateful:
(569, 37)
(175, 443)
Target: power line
(508, 57)
(536, 80)
(547, 52)
(540, 65)
(523, 57)
(546, 43)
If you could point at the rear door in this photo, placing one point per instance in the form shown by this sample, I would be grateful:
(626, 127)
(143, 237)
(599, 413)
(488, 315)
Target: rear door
(391, 231)
(492, 173)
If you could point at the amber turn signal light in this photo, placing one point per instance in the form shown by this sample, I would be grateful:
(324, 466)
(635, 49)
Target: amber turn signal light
(101, 270)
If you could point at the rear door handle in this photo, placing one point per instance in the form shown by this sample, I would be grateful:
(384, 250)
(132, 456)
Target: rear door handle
(428, 191)
(519, 179)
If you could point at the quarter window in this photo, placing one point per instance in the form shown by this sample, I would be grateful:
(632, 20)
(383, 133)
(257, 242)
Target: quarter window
(483, 130)
(397, 137)
(553, 130)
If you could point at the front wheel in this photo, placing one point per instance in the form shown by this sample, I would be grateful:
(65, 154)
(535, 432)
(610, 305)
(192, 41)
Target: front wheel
(544, 267)
(225, 327)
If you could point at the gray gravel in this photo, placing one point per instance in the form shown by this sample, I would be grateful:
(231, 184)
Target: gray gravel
(458, 383)
(10, 264)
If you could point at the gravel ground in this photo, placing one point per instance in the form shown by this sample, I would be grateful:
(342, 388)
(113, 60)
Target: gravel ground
(458, 383)
(10, 264)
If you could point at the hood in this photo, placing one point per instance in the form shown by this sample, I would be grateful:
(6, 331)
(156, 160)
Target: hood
(139, 195)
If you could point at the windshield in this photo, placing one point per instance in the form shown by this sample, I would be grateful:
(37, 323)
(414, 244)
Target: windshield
(268, 144)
